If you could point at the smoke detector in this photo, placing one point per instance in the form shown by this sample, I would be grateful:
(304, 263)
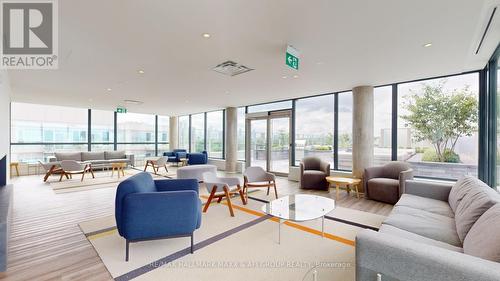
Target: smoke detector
(231, 68)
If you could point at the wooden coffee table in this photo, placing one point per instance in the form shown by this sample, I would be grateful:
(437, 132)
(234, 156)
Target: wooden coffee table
(347, 183)
(119, 167)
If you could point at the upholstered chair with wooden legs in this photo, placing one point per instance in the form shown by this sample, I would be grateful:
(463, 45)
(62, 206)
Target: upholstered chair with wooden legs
(220, 187)
(157, 164)
(72, 167)
(256, 177)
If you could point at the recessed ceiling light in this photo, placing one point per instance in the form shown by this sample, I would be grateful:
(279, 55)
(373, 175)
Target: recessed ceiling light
(295, 76)
(133, 102)
(284, 77)
(140, 71)
(206, 35)
(320, 63)
(427, 45)
(90, 100)
(109, 89)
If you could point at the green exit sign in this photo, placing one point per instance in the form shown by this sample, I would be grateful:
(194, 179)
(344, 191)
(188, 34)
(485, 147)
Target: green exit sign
(121, 110)
(292, 57)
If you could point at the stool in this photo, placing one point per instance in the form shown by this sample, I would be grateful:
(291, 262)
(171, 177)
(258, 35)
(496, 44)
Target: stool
(16, 166)
(119, 167)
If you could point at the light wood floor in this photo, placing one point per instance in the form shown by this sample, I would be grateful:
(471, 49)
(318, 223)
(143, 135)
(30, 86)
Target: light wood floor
(47, 244)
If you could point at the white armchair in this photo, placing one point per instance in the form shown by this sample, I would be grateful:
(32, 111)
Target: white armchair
(220, 187)
(157, 164)
(72, 167)
(257, 177)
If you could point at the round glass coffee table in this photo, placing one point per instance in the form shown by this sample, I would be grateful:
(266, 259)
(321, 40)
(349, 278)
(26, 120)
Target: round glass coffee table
(299, 207)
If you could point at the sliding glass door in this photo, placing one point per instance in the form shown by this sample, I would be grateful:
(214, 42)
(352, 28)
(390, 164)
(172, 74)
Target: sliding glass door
(268, 141)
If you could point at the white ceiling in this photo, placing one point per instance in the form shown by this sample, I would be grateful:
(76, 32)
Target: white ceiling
(343, 44)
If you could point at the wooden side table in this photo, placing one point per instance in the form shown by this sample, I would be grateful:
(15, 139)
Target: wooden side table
(184, 162)
(119, 167)
(14, 165)
(347, 183)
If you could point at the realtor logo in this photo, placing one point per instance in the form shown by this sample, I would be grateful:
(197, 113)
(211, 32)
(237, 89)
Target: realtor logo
(29, 34)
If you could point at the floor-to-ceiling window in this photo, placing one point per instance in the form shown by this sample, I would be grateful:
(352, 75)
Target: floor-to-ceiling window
(102, 130)
(136, 135)
(215, 134)
(241, 133)
(382, 124)
(197, 132)
(37, 131)
(345, 131)
(438, 126)
(163, 134)
(184, 132)
(314, 128)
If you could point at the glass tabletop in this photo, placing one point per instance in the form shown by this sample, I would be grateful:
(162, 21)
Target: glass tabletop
(299, 207)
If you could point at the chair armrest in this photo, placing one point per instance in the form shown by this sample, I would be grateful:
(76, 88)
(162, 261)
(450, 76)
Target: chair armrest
(405, 260)
(177, 185)
(325, 167)
(403, 177)
(433, 190)
(270, 176)
(302, 168)
(159, 214)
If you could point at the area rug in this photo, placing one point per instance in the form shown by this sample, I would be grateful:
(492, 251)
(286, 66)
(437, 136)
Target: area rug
(101, 180)
(244, 247)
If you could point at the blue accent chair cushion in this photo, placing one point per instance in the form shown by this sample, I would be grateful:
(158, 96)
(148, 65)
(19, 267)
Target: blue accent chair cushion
(148, 209)
(197, 158)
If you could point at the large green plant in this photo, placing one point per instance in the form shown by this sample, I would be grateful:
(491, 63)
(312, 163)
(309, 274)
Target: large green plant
(441, 117)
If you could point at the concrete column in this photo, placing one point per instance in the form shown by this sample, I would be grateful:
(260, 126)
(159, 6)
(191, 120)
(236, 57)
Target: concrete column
(173, 136)
(362, 129)
(231, 144)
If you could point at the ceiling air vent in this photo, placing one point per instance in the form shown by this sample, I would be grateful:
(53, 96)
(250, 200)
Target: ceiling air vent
(231, 68)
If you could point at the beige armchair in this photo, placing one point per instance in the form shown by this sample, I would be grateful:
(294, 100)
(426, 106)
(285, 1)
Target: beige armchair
(72, 167)
(256, 177)
(387, 183)
(313, 173)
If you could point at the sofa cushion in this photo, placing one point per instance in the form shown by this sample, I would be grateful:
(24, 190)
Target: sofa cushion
(427, 224)
(483, 239)
(430, 205)
(77, 156)
(383, 189)
(473, 198)
(389, 229)
(114, 155)
(459, 190)
(89, 156)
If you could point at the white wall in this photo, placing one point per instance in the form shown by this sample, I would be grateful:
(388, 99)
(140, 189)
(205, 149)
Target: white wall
(4, 117)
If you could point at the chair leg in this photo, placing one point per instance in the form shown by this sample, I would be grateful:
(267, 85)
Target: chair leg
(226, 192)
(268, 187)
(92, 172)
(210, 197)
(146, 166)
(166, 168)
(83, 175)
(192, 242)
(126, 249)
(220, 199)
(62, 174)
(275, 190)
(242, 195)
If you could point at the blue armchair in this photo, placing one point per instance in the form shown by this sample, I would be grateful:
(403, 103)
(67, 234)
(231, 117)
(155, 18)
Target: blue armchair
(198, 158)
(147, 209)
(175, 155)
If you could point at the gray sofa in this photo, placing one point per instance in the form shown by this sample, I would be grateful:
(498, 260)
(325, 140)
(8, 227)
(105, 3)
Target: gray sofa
(98, 160)
(445, 232)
